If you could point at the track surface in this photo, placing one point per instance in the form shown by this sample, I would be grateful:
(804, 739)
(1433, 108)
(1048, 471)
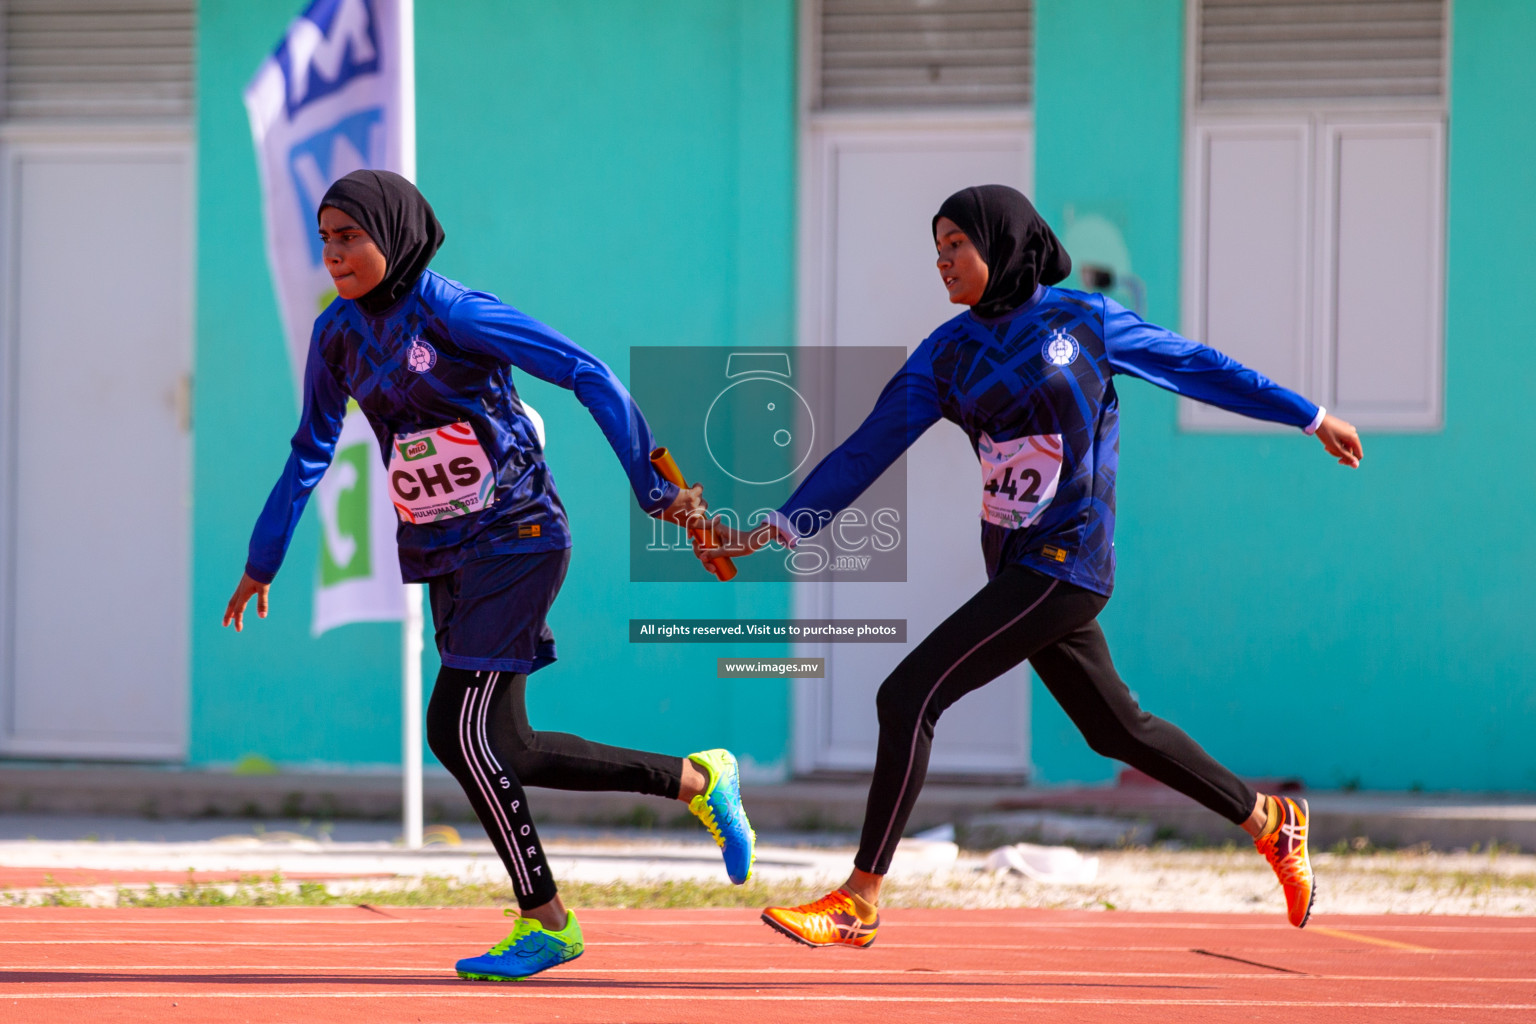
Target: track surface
(346, 964)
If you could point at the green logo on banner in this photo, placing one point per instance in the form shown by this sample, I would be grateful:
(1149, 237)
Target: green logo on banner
(344, 553)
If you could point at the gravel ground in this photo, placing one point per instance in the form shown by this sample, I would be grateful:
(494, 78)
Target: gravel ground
(666, 869)
(1238, 880)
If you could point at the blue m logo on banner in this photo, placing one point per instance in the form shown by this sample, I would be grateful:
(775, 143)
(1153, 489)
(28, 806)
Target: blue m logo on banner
(354, 142)
(327, 46)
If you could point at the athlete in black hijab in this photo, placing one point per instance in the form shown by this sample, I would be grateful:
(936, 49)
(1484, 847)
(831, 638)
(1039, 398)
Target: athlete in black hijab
(436, 367)
(399, 220)
(1019, 247)
(1028, 373)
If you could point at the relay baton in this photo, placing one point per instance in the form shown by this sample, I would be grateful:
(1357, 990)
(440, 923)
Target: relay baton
(666, 465)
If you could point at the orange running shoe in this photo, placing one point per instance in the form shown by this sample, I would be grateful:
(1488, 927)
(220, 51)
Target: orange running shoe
(1285, 847)
(832, 920)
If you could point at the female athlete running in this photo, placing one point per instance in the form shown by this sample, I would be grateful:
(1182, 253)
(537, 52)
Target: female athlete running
(428, 361)
(1026, 372)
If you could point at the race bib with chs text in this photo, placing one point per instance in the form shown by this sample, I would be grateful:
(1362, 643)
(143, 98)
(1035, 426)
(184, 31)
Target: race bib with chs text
(439, 474)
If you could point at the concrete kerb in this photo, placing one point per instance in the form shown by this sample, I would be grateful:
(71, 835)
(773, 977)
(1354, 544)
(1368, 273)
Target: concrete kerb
(983, 814)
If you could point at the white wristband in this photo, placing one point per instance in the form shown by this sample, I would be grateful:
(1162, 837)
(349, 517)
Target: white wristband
(1317, 421)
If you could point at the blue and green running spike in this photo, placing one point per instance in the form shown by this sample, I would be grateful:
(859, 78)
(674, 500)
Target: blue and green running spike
(527, 951)
(719, 808)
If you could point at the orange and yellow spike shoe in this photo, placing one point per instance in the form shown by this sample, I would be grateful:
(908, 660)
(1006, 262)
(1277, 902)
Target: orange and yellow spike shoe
(1284, 845)
(833, 920)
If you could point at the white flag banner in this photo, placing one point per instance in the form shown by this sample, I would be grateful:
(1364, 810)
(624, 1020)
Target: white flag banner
(335, 96)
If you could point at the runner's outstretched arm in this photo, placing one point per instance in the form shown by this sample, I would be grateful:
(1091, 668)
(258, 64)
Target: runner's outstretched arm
(1172, 361)
(908, 405)
(481, 323)
(313, 445)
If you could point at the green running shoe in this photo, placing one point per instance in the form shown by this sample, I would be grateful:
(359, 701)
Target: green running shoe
(527, 951)
(719, 808)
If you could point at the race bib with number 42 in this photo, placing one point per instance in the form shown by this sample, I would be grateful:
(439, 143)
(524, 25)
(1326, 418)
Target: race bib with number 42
(440, 473)
(1018, 477)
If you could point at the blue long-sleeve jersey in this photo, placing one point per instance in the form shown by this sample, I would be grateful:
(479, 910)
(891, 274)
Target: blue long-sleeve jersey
(441, 356)
(1043, 372)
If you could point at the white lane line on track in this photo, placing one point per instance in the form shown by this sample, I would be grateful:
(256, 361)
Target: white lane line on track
(495, 990)
(770, 944)
(374, 920)
(568, 972)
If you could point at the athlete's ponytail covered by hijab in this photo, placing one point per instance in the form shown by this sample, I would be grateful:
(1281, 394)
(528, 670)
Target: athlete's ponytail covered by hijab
(399, 220)
(1020, 248)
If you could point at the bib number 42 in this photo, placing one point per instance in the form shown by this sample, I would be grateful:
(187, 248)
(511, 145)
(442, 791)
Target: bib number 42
(1008, 487)
(1018, 477)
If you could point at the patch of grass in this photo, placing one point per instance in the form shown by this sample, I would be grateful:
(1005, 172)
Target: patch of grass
(250, 891)
(275, 891)
(1201, 844)
(1357, 845)
(56, 897)
(59, 896)
(685, 893)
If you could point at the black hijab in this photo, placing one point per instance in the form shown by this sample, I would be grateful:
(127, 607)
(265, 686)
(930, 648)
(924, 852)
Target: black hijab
(399, 220)
(1020, 249)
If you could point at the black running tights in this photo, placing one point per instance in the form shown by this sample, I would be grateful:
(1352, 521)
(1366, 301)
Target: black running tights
(1023, 615)
(477, 725)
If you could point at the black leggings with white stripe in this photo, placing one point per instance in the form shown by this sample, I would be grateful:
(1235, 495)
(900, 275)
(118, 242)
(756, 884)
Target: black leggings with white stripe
(1023, 615)
(477, 725)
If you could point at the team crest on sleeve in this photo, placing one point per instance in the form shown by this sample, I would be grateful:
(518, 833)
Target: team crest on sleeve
(421, 357)
(1060, 348)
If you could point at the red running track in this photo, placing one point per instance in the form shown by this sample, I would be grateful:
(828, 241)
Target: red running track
(74, 878)
(345, 964)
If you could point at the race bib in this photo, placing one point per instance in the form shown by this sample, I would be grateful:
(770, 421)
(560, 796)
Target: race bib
(1018, 477)
(439, 474)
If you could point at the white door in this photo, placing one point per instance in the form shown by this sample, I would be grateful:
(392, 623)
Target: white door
(94, 445)
(868, 278)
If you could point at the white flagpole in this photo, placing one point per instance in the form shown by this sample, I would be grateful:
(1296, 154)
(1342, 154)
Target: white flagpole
(410, 708)
(411, 646)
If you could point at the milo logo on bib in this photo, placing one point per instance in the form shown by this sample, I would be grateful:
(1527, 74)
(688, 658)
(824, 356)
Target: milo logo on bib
(412, 450)
(440, 473)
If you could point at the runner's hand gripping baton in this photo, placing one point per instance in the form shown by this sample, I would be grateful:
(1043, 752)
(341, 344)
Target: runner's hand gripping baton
(662, 459)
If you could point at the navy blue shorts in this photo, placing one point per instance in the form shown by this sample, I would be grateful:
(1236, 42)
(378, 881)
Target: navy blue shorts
(489, 613)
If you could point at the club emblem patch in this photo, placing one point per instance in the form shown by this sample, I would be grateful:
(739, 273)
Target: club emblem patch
(421, 356)
(1060, 348)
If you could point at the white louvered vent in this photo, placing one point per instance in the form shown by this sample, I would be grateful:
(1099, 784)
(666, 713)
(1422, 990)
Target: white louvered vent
(98, 58)
(1277, 50)
(926, 53)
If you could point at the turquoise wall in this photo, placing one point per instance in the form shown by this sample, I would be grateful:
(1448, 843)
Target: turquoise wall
(623, 171)
(1349, 628)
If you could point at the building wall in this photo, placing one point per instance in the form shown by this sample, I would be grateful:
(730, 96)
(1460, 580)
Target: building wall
(621, 170)
(625, 171)
(1349, 628)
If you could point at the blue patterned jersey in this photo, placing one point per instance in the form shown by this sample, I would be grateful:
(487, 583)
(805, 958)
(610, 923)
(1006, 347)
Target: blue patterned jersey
(1035, 389)
(442, 356)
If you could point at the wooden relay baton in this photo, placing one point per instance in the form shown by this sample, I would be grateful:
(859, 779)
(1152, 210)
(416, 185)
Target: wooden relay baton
(666, 465)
